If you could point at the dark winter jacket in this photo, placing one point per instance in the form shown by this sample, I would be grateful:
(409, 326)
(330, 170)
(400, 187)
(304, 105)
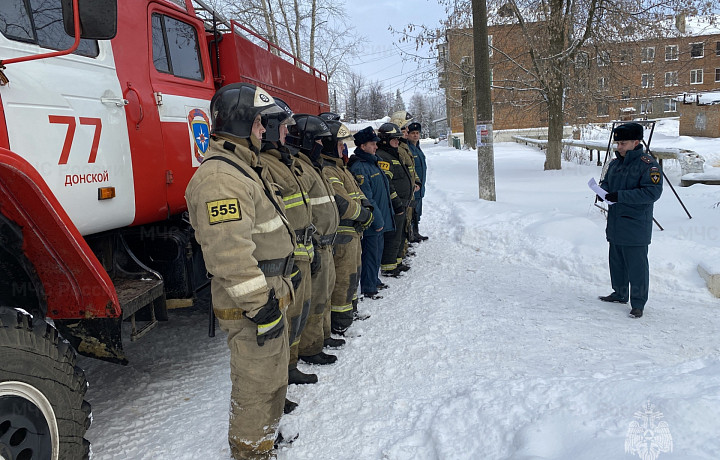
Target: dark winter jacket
(420, 167)
(374, 184)
(638, 181)
(402, 185)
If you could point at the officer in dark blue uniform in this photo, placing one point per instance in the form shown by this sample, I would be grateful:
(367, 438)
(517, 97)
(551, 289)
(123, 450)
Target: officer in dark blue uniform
(376, 188)
(633, 182)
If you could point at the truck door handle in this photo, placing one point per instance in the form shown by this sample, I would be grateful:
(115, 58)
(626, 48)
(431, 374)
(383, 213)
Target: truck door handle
(118, 101)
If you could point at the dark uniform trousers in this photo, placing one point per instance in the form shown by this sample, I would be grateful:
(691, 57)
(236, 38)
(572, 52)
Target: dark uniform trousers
(629, 265)
(372, 250)
(394, 243)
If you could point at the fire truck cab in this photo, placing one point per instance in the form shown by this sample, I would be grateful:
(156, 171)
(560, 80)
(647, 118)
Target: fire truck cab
(97, 146)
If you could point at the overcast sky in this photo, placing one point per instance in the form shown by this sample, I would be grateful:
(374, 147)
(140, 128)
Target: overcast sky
(380, 59)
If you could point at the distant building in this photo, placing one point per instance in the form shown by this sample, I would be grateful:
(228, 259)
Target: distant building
(624, 80)
(700, 114)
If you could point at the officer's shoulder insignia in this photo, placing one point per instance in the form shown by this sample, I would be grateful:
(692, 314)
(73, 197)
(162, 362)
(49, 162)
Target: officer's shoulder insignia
(384, 165)
(359, 178)
(225, 210)
(646, 159)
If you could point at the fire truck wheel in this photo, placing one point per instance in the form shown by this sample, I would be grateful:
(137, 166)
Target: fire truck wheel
(42, 411)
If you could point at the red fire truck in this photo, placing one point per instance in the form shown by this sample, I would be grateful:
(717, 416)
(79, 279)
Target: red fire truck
(104, 117)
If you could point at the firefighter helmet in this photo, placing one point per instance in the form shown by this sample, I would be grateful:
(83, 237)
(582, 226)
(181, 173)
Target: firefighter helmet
(401, 118)
(234, 107)
(388, 131)
(272, 121)
(306, 130)
(338, 132)
(329, 116)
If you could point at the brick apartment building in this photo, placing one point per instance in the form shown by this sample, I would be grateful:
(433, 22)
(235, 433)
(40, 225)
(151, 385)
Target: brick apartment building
(627, 79)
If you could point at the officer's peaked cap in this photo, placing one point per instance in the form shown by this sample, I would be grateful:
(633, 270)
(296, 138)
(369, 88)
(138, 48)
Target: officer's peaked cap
(414, 126)
(628, 132)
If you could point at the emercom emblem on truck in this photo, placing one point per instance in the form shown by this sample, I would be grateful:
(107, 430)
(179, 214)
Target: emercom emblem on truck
(199, 124)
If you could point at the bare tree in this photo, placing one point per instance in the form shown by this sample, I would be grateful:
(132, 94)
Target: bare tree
(355, 86)
(553, 32)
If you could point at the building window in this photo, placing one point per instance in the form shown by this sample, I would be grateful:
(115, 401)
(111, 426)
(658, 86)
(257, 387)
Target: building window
(648, 54)
(582, 61)
(671, 78)
(670, 105)
(648, 80)
(697, 50)
(490, 48)
(717, 75)
(671, 53)
(602, 84)
(646, 107)
(602, 109)
(717, 48)
(625, 93)
(696, 77)
(603, 58)
(625, 57)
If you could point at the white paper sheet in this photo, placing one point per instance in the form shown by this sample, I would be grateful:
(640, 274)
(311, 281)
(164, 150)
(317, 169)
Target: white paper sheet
(598, 190)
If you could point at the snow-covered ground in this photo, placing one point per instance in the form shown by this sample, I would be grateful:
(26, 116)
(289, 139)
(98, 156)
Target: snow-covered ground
(494, 345)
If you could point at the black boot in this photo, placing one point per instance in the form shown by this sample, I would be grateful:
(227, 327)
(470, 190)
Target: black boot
(296, 377)
(636, 313)
(614, 297)
(289, 406)
(394, 273)
(402, 267)
(320, 358)
(333, 343)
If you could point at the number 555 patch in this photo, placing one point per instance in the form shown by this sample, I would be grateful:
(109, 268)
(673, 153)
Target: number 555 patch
(223, 210)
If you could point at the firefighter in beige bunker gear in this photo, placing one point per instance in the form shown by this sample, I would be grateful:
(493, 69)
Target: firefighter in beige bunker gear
(248, 246)
(354, 219)
(286, 171)
(306, 136)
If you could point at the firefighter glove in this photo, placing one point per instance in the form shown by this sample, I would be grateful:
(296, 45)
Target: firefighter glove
(269, 320)
(315, 264)
(296, 276)
(364, 220)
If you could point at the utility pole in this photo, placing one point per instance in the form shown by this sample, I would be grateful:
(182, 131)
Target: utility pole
(483, 101)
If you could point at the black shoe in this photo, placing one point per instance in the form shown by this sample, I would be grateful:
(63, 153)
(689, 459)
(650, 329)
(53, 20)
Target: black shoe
(373, 296)
(280, 441)
(296, 377)
(414, 239)
(320, 358)
(289, 406)
(382, 286)
(636, 313)
(420, 237)
(402, 267)
(613, 298)
(333, 343)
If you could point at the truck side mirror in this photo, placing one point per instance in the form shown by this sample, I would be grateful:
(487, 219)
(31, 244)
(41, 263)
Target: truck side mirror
(98, 18)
